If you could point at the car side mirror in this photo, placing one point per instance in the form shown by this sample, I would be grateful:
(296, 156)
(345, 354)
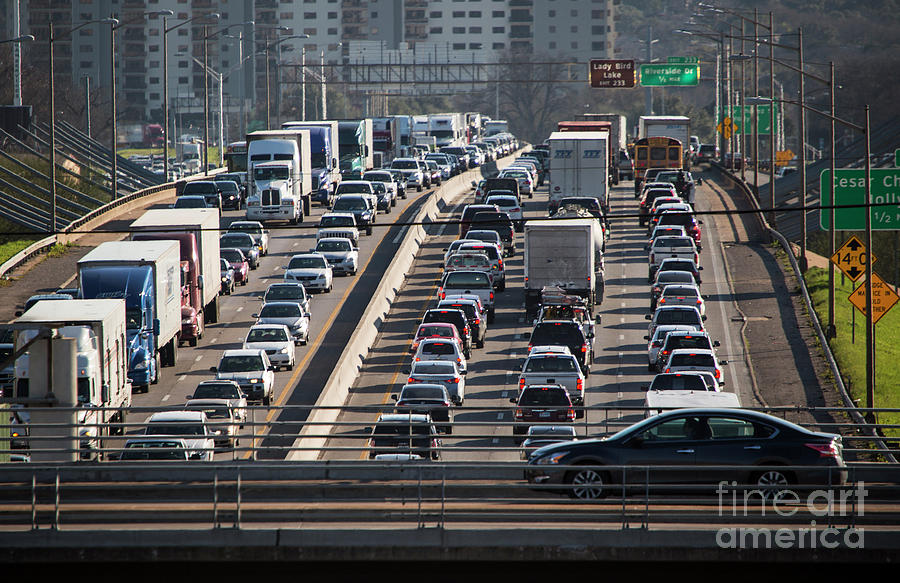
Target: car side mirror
(648, 317)
(704, 317)
(716, 344)
(407, 371)
(271, 367)
(645, 387)
(700, 268)
(646, 338)
(723, 362)
(213, 369)
(189, 397)
(705, 297)
(254, 315)
(701, 222)
(464, 373)
(598, 320)
(699, 181)
(526, 335)
(394, 397)
(513, 400)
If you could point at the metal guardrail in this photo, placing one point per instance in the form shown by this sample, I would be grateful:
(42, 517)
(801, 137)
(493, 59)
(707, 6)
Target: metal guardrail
(135, 496)
(854, 411)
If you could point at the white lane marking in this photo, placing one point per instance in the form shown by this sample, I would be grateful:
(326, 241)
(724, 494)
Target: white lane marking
(504, 395)
(499, 416)
(621, 337)
(182, 377)
(197, 359)
(400, 235)
(165, 398)
(624, 305)
(240, 308)
(214, 340)
(495, 440)
(619, 395)
(622, 320)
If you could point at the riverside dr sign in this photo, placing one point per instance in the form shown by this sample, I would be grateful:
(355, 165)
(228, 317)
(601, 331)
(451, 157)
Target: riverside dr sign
(614, 73)
(670, 74)
(850, 189)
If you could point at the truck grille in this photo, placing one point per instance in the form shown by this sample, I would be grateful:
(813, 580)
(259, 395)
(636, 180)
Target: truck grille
(270, 197)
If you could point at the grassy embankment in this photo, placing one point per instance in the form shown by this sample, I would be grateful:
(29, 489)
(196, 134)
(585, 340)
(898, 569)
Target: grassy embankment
(849, 346)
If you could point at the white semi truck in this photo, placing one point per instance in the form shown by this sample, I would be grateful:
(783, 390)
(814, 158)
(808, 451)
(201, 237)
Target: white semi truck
(279, 172)
(579, 166)
(668, 126)
(103, 390)
(567, 253)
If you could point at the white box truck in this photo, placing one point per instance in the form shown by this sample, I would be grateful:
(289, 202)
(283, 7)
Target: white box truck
(279, 172)
(567, 253)
(579, 166)
(668, 126)
(197, 233)
(103, 389)
(147, 275)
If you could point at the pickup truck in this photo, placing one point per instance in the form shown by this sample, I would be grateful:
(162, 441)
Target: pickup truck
(554, 369)
(671, 247)
(469, 282)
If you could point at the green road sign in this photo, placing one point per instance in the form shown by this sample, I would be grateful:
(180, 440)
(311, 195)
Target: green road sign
(683, 60)
(743, 117)
(850, 189)
(668, 75)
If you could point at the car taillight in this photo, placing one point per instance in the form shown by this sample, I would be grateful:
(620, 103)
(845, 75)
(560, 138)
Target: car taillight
(453, 380)
(579, 385)
(825, 449)
(570, 414)
(664, 352)
(411, 380)
(697, 258)
(519, 413)
(718, 373)
(521, 384)
(657, 289)
(459, 361)
(516, 210)
(584, 348)
(401, 403)
(492, 296)
(478, 320)
(662, 300)
(668, 370)
(699, 302)
(443, 295)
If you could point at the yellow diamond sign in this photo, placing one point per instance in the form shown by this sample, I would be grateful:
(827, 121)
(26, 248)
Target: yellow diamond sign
(883, 298)
(851, 258)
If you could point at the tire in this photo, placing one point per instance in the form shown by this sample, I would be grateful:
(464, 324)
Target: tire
(772, 482)
(267, 400)
(290, 366)
(419, 188)
(502, 286)
(193, 342)
(158, 364)
(368, 230)
(587, 484)
(490, 317)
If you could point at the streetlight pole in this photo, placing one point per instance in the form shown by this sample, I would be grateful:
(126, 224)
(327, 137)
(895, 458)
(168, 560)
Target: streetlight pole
(166, 31)
(268, 47)
(50, 40)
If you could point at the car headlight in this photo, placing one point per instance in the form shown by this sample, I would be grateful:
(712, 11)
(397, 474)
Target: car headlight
(283, 351)
(185, 321)
(551, 459)
(89, 432)
(254, 381)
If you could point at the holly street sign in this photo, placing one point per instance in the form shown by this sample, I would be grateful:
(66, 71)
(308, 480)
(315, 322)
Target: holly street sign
(743, 117)
(668, 75)
(611, 73)
(850, 189)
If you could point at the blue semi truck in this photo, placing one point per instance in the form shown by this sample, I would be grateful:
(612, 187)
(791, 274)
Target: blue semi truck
(147, 275)
(323, 149)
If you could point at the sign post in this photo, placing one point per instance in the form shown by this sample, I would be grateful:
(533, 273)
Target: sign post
(611, 73)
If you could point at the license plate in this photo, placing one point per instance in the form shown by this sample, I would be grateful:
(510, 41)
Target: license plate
(544, 414)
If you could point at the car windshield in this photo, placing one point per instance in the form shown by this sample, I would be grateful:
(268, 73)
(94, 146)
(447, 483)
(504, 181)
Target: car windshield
(556, 334)
(232, 255)
(674, 218)
(154, 451)
(681, 341)
(200, 188)
(212, 412)
(236, 240)
(241, 363)
(666, 277)
(404, 164)
(676, 382)
(673, 242)
(550, 364)
(352, 188)
(337, 222)
(679, 291)
(443, 331)
(435, 368)
(692, 360)
(544, 396)
(227, 186)
(468, 261)
(466, 279)
(439, 348)
(246, 228)
(680, 265)
(271, 173)
(280, 311)
(307, 262)
(402, 429)
(488, 250)
(377, 177)
(350, 204)
(678, 317)
(163, 428)
(342, 245)
(216, 391)
(415, 392)
(189, 202)
(267, 335)
(285, 292)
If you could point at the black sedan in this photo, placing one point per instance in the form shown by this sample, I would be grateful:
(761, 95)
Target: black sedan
(243, 241)
(753, 448)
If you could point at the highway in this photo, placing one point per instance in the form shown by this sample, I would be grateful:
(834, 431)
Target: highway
(482, 428)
